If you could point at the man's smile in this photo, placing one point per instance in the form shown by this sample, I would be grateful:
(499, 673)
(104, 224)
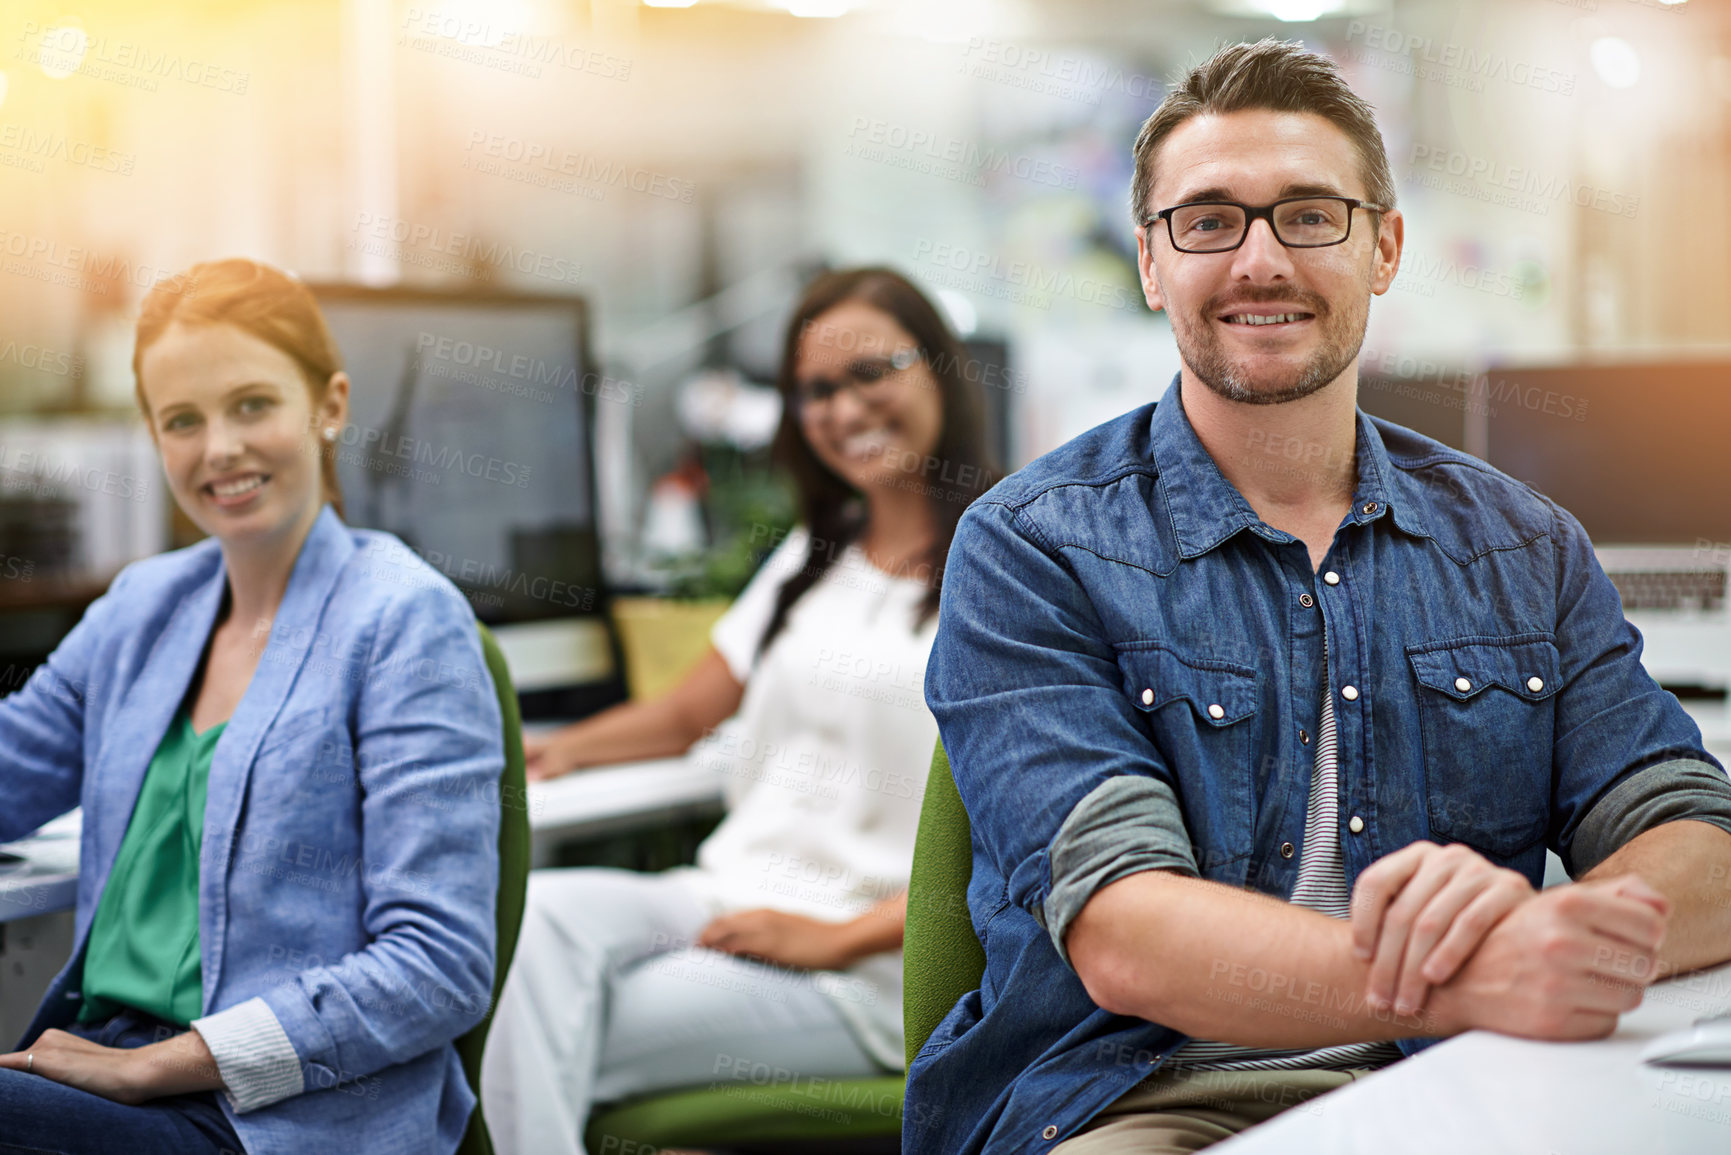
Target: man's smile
(1260, 318)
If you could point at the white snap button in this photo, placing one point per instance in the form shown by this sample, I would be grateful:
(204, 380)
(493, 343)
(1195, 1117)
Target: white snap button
(1216, 712)
(1356, 824)
(1331, 578)
(1535, 684)
(1050, 1132)
(1147, 697)
(1463, 685)
(1350, 693)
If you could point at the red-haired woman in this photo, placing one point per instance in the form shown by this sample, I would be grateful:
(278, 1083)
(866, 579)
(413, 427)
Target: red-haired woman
(268, 906)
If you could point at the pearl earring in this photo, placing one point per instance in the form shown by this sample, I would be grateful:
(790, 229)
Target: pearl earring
(330, 434)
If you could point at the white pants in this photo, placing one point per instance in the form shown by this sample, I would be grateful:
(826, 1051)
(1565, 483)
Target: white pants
(607, 999)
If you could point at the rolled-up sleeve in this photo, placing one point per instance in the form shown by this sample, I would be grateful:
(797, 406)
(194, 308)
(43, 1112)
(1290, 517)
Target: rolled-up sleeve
(1668, 792)
(1064, 787)
(1125, 826)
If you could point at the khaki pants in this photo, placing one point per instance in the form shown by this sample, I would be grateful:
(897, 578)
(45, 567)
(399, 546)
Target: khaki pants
(1184, 1109)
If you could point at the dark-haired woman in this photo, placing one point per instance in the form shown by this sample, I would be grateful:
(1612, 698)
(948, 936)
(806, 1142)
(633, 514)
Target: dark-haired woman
(780, 949)
(278, 936)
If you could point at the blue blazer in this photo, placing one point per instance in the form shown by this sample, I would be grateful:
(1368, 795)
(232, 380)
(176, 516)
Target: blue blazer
(349, 865)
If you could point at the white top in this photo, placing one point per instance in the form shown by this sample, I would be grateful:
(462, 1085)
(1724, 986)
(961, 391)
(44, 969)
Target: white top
(824, 766)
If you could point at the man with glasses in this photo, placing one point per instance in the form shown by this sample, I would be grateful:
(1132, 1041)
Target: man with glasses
(1264, 711)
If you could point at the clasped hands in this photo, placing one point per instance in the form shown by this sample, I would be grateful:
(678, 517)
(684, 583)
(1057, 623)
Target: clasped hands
(1472, 945)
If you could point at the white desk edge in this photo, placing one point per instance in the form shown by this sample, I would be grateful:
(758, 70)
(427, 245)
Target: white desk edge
(578, 805)
(1495, 1094)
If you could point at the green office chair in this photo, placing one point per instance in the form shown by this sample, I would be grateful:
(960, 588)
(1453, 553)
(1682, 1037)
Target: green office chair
(841, 1116)
(513, 881)
(942, 959)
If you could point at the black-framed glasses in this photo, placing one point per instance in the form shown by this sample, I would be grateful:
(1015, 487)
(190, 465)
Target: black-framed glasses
(868, 377)
(1298, 222)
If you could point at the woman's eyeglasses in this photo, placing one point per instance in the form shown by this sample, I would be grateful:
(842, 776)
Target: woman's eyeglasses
(869, 377)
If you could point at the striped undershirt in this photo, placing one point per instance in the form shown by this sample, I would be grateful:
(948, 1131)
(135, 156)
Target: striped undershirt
(1321, 886)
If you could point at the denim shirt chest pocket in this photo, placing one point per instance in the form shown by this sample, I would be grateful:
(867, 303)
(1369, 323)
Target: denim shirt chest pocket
(1201, 716)
(1485, 717)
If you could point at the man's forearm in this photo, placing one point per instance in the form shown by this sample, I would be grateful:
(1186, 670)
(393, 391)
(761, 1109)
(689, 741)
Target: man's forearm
(1232, 966)
(1690, 864)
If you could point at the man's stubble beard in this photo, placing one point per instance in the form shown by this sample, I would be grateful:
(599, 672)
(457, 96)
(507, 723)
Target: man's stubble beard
(1201, 350)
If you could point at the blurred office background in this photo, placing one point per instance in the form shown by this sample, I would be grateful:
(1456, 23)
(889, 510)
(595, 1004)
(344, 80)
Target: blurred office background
(558, 238)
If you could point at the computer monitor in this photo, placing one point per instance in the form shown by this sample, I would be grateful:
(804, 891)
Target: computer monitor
(1433, 403)
(470, 437)
(988, 370)
(1636, 450)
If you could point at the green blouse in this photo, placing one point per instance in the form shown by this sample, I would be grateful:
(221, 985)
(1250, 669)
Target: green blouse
(143, 950)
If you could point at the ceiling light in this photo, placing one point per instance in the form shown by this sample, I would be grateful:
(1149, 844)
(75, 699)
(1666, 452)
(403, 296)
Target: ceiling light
(1289, 11)
(1616, 61)
(819, 8)
(60, 51)
(1294, 11)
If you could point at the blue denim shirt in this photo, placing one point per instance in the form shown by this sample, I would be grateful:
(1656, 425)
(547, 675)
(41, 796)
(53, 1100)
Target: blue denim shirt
(1117, 613)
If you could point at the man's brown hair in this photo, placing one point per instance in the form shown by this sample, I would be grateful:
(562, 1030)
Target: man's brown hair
(1276, 75)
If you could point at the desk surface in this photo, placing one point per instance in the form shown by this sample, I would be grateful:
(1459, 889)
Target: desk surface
(47, 879)
(1495, 1095)
(587, 801)
(580, 805)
